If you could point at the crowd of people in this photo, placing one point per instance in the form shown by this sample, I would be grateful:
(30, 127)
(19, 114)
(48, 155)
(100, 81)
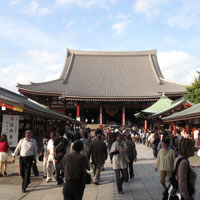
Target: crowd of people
(89, 149)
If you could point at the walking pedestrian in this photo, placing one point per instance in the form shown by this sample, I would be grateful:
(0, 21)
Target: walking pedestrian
(74, 166)
(4, 149)
(98, 153)
(51, 158)
(27, 148)
(131, 153)
(44, 152)
(118, 159)
(60, 144)
(156, 143)
(166, 157)
(186, 174)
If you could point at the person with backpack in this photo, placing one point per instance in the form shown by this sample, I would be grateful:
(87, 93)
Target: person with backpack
(186, 175)
(60, 144)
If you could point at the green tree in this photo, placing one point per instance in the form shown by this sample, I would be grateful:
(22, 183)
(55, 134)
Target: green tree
(193, 94)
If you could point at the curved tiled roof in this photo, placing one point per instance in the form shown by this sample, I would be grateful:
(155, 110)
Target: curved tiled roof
(189, 113)
(14, 99)
(89, 74)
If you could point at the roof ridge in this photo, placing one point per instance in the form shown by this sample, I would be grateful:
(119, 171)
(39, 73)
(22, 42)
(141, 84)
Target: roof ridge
(173, 82)
(113, 53)
(32, 83)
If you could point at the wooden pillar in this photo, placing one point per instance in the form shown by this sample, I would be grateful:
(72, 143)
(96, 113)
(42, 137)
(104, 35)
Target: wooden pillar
(145, 124)
(123, 117)
(77, 112)
(101, 117)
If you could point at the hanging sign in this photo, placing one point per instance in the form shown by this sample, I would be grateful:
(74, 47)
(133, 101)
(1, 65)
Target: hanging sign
(10, 127)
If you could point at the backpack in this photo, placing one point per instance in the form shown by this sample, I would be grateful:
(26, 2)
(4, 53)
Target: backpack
(172, 192)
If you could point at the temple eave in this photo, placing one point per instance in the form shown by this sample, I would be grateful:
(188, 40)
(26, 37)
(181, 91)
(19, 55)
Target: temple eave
(25, 91)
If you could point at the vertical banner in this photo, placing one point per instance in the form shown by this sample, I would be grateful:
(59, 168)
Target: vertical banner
(10, 127)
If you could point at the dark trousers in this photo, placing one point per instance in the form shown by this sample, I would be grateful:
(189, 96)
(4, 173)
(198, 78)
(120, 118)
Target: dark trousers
(130, 166)
(59, 173)
(121, 175)
(73, 190)
(25, 170)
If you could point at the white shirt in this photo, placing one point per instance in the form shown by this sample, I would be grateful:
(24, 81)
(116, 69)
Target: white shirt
(119, 159)
(26, 148)
(50, 146)
(196, 134)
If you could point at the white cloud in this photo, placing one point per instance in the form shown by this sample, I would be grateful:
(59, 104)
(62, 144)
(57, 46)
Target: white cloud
(24, 35)
(84, 3)
(178, 66)
(32, 8)
(14, 2)
(118, 17)
(70, 23)
(185, 15)
(148, 7)
(120, 27)
(34, 66)
(181, 21)
(43, 11)
(41, 57)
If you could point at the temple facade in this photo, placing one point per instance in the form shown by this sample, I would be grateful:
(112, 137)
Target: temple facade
(105, 87)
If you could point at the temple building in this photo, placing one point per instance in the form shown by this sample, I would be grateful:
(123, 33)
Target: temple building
(105, 87)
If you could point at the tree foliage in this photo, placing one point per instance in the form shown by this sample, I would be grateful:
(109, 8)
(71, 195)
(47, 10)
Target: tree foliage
(193, 94)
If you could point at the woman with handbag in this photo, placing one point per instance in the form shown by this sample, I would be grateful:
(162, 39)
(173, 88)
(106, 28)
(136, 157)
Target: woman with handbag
(186, 175)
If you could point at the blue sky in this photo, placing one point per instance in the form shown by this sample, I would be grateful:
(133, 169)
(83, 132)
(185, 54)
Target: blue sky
(34, 35)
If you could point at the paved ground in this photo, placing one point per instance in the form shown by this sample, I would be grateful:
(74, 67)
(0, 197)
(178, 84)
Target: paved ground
(144, 186)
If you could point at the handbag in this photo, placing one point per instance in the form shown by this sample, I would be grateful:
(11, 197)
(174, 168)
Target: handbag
(172, 192)
(35, 169)
(86, 178)
(126, 157)
(41, 157)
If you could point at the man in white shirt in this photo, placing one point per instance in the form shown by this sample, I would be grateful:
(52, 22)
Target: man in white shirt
(196, 136)
(27, 149)
(50, 158)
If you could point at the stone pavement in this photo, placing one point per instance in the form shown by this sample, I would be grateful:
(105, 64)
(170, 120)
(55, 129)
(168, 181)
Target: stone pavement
(144, 186)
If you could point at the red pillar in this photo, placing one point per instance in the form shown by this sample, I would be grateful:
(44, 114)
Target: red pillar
(171, 126)
(187, 128)
(78, 112)
(158, 125)
(174, 129)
